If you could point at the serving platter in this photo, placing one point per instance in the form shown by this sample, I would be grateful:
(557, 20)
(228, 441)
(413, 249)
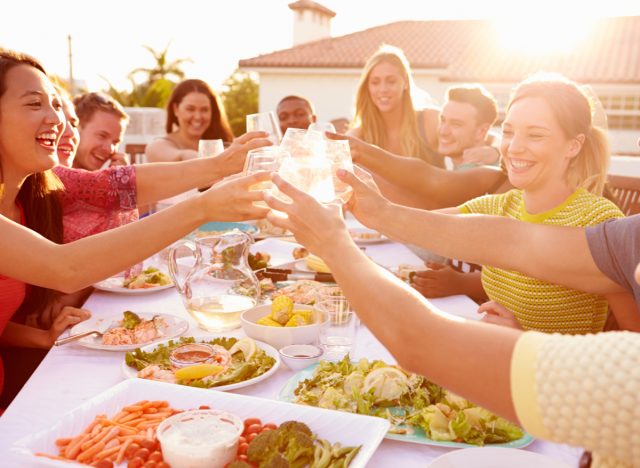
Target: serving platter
(348, 429)
(131, 373)
(416, 435)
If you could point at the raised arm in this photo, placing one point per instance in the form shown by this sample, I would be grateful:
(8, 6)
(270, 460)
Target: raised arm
(157, 181)
(27, 256)
(440, 187)
(469, 358)
(164, 150)
(552, 253)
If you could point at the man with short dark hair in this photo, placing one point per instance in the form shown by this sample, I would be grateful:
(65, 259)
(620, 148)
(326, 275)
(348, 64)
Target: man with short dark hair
(295, 112)
(103, 122)
(465, 120)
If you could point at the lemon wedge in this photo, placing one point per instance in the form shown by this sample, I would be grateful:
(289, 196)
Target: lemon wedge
(197, 371)
(245, 345)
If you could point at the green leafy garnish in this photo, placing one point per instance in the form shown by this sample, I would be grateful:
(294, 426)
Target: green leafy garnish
(130, 320)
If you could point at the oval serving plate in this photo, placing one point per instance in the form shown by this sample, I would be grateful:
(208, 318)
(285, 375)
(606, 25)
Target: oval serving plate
(131, 373)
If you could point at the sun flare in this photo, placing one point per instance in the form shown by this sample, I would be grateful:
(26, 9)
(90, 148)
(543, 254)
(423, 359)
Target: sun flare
(543, 35)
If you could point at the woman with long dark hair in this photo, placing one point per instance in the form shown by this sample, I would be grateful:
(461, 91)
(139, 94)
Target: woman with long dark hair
(194, 112)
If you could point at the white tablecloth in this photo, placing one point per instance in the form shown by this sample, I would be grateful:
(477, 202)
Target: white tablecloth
(72, 374)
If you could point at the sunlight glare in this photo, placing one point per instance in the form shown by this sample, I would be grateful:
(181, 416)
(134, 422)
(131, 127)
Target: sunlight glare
(538, 35)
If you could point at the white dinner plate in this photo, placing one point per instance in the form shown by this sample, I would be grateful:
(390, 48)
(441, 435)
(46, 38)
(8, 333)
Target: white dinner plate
(358, 233)
(131, 373)
(334, 426)
(177, 326)
(494, 457)
(114, 285)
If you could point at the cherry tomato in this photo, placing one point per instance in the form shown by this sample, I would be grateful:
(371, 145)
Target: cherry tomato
(142, 453)
(243, 457)
(162, 464)
(155, 456)
(149, 444)
(252, 436)
(135, 462)
(254, 428)
(242, 440)
(242, 448)
(271, 426)
(133, 448)
(150, 464)
(248, 422)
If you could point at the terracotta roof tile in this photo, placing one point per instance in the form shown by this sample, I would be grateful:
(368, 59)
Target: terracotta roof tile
(311, 5)
(469, 50)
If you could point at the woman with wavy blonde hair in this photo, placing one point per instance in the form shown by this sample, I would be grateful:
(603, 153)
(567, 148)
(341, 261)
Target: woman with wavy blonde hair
(386, 113)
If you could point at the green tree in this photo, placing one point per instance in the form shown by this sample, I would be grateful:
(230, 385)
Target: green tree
(163, 68)
(156, 89)
(240, 97)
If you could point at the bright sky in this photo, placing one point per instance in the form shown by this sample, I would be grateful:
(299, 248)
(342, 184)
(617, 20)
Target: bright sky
(108, 35)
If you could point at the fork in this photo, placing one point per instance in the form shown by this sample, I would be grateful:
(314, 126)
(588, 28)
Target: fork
(69, 339)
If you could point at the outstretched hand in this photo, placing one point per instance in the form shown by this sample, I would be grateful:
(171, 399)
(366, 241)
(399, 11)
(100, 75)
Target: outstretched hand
(231, 199)
(232, 159)
(316, 226)
(366, 202)
(499, 315)
(361, 152)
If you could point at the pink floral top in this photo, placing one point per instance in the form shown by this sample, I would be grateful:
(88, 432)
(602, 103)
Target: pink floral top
(97, 201)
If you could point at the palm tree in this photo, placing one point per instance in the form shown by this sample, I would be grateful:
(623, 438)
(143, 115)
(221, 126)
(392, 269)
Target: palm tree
(162, 68)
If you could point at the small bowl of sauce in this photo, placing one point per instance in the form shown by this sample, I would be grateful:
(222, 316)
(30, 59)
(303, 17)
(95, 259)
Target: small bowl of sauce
(200, 438)
(191, 354)
(297, 357)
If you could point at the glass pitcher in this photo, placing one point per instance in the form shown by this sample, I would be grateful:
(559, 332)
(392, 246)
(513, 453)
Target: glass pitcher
(213, 276)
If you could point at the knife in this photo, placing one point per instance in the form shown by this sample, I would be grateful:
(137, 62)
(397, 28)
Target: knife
(285, 274)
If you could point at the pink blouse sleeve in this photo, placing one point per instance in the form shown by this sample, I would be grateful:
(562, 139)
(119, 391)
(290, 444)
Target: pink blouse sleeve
(93, 202)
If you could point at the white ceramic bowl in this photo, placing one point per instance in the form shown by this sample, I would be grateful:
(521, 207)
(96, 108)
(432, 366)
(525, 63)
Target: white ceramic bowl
(278, 337)
(297, 357)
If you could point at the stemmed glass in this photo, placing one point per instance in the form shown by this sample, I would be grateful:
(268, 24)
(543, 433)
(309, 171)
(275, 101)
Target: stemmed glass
(266, 122)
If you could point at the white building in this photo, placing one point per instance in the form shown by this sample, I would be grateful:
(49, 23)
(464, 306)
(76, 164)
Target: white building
(442, 53)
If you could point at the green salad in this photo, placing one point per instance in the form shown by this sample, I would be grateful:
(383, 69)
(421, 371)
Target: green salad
(234, 361)
(409, 401)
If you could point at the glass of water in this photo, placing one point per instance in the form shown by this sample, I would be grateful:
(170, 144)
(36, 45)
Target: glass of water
(338, 330)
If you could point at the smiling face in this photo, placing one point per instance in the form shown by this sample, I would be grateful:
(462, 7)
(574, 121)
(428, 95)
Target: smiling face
(193, 114)
(459, 129)
(386, 86)
(536, 151)
(99, 140)
(294, 113)
(70, 137)
(31, 122)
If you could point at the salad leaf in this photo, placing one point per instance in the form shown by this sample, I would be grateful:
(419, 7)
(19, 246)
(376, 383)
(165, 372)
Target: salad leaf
(130, 320)
(410, 403)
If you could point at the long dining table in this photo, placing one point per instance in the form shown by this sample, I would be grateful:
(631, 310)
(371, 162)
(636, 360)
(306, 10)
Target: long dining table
(72, 374)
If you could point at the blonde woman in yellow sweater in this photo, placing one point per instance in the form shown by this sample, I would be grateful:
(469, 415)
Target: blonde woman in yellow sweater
(558, 161)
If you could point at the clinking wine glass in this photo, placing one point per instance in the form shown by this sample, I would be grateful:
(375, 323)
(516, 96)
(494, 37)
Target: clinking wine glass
(339, 153)
(311, 175)
(215, 281)
(266, 122)
(210, 148)
(267, 158)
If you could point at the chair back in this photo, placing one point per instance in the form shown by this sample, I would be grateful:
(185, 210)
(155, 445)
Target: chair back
(626, 193)
(136, 152)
